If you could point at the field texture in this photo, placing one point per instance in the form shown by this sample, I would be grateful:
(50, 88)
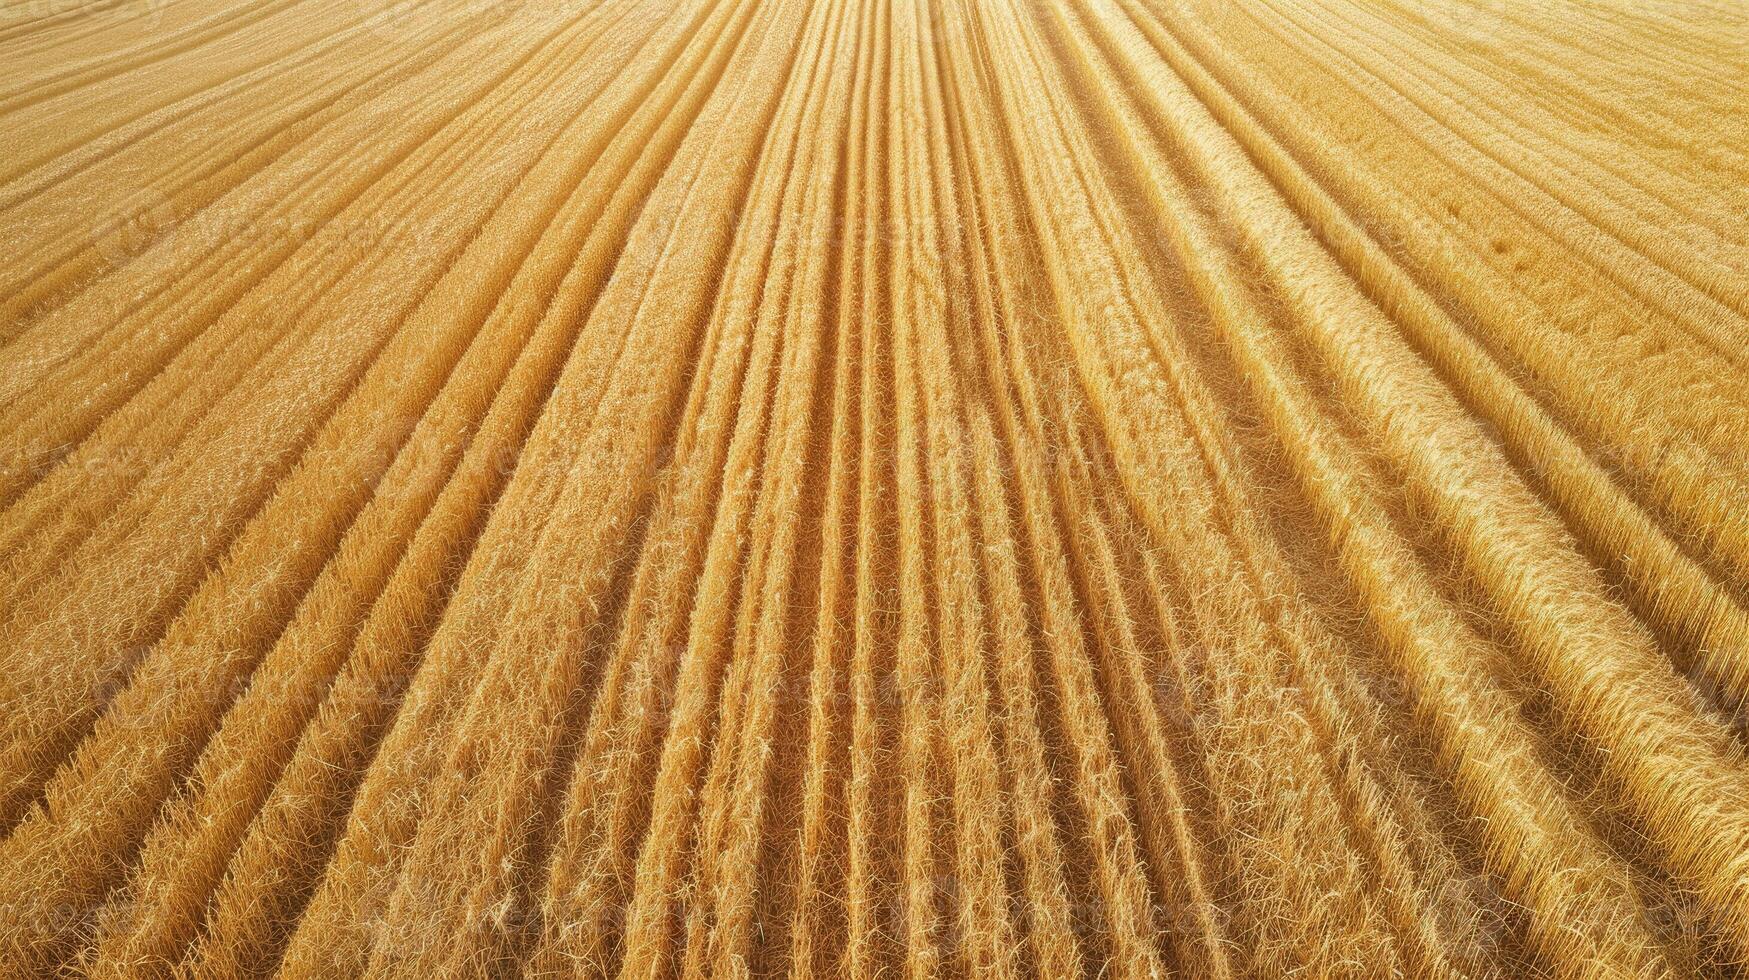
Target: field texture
(1117, 488)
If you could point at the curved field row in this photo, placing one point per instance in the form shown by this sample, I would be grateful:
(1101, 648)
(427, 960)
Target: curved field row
(869, 487)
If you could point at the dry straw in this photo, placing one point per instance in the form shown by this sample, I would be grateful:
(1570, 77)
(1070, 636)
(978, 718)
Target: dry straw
(874, 487)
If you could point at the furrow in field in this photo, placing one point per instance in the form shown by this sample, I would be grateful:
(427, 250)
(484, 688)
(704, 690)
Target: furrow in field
(1518, 242)
(589, 873)
(1667, 189)
(61, 122)
(1160, 806)
(192, 277)
(167, 166)
(1638, 200)
(1583, 101)
(666, 910)
(1554, 609)
(385, 659)
(1545, 601)
(73, 72)
(147, 581)
(1252, 661)
(733, 871)
(872, 897)
(1060, 932)
(1616, 247)
(1682, 598)
(981, 909)
(291, 684)
(115, 469)
(1611, 417)
(332, 475)
(123, 26)
(819, 932)
(653, 288)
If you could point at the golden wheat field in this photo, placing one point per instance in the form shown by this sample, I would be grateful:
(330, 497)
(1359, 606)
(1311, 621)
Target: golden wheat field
(874, 488)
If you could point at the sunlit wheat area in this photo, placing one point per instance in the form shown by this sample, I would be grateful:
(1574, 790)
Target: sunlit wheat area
(874, 488)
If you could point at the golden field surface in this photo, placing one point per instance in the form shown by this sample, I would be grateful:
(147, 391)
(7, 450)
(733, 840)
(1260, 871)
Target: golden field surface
(874, 488)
